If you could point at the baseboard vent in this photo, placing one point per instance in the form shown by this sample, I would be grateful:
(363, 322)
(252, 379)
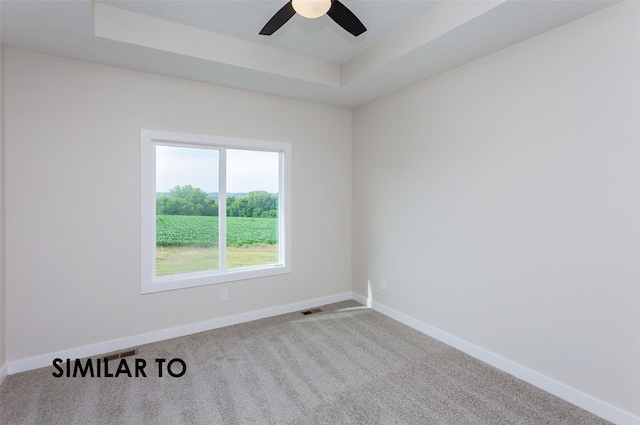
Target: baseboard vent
(315, 310)
(121, 354)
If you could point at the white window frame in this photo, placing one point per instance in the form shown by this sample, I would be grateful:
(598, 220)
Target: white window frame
(152, 283)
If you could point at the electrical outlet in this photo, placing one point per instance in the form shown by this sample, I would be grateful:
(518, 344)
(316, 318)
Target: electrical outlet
(383, 284)
(224, 294)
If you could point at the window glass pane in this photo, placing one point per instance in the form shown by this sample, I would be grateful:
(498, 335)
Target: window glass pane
(252, 208)
(187, 190)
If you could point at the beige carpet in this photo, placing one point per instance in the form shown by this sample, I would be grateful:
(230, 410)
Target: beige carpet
(345, 365)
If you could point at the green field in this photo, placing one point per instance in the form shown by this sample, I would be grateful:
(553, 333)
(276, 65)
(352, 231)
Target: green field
(190, 243)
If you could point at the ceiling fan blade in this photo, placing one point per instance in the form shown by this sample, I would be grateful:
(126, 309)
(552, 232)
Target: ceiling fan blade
(279, 19)
(345, 18)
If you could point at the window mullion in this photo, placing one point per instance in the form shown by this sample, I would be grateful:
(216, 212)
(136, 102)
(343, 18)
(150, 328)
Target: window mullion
(222, 211)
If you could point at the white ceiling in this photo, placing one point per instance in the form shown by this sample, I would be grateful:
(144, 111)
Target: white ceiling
(218, 41)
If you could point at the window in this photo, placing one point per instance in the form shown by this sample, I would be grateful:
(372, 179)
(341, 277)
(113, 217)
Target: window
(213, 210)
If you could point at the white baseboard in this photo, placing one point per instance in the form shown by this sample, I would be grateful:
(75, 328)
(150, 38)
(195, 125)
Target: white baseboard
(123, 343)
(4, 371)
(578, 398)
(359, 298)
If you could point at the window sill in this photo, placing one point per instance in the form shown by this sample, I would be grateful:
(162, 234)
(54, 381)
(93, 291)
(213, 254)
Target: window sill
(189, 280)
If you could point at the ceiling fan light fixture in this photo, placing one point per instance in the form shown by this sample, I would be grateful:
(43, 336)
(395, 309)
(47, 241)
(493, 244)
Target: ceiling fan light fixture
(311, 8)
(337, 11)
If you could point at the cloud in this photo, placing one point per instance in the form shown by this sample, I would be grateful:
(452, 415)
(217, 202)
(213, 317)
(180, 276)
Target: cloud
(199, 167)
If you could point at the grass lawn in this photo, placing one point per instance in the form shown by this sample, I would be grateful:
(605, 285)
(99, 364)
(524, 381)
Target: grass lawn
(172, 260)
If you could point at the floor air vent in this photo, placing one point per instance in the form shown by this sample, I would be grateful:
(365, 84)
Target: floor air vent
(121, 354)
(315, 310)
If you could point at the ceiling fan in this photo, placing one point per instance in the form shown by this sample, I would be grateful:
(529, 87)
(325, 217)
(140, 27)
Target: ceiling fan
(314, 9)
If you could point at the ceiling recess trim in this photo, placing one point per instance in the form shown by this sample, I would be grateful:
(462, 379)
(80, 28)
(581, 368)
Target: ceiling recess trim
(435, 23)
(142, 30)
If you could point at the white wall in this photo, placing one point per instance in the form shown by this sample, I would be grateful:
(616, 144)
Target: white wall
(500, 201)
(73, 199)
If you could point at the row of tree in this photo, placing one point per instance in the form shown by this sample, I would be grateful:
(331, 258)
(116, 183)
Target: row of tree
(189, 200)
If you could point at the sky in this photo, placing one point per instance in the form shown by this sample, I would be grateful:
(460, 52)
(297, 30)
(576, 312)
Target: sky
(198, 167)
